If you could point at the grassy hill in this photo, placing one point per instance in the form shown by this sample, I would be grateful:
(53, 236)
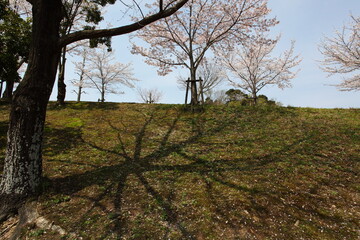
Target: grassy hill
(135, 171)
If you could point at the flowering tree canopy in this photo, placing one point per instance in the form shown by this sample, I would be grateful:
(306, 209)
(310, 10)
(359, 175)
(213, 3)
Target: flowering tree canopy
(80, 71)
(184, 38)
(342, 55)
(150, 95)
(104, 75)
(252, 67)
(211, 73)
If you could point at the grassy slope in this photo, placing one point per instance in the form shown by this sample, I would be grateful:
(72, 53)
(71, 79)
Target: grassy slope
(132, 171)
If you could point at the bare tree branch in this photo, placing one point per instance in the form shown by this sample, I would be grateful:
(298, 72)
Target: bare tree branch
(150, 95)
(212, 74)
(88, 34)
(106, 76)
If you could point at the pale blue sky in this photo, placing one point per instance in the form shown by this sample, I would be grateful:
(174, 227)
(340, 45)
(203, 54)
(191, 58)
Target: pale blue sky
(305, 21)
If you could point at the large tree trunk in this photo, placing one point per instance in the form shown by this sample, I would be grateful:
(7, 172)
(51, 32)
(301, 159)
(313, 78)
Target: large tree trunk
(23, 161)
(61, 78)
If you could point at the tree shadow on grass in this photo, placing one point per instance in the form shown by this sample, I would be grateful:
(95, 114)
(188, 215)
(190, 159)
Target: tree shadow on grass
(60, 140)
(84, 105)
(56, 140)
(137, 162)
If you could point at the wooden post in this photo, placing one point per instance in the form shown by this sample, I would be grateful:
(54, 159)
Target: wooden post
(201, 91)
(187, 90)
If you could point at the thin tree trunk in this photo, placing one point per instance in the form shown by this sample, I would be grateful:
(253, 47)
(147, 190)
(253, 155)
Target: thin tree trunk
(102, 95)
(193, 87)
(61, 78)
(79, 94)
(23, 161)
(254, 97)
(81, 80)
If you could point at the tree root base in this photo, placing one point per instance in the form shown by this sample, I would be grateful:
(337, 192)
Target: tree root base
(27, 216)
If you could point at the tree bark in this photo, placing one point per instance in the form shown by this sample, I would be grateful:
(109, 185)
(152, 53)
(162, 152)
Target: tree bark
(79, 94)
(102, 95)
(193, 87)
(61, 78)
(254, 97)
(23, 161)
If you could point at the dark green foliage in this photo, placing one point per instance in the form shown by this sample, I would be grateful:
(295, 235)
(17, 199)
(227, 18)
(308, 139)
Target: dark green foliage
(103, 2)
(235, 95)
(15, 34)
(265, 98)
(93, 14)
(94, 42)
(2, 9)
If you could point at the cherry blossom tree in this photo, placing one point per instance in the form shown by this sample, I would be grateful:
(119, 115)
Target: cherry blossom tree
(251, 66)
(211, 74)
(184, 38)
(80, 70)
(342, 55)
(150, 95)
(106, 76)
(23, 159)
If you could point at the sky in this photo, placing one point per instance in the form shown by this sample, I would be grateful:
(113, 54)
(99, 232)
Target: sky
(305, 21)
